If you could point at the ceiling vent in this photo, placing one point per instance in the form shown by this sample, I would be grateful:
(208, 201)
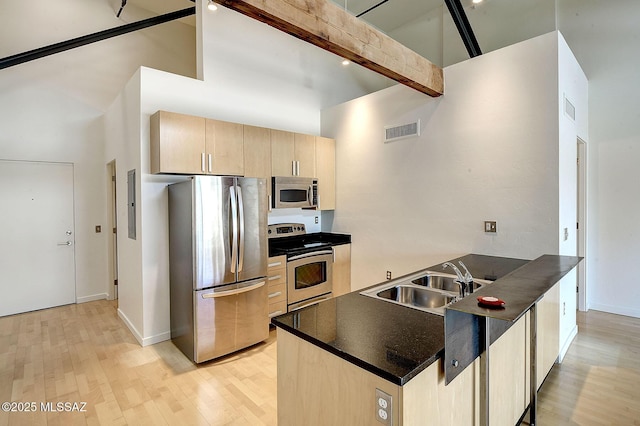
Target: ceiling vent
(394, 133)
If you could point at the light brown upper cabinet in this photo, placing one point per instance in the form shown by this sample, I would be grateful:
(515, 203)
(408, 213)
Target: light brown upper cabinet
(177, 143)
(257, 153)
(224, 148)
(194, 145)
(292, 154)
(326, 172)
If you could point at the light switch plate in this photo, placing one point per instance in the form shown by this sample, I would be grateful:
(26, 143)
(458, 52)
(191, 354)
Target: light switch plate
(490, 226)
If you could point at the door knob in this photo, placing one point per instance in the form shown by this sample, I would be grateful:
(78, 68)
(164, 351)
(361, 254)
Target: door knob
(66, 243)
(68, 232)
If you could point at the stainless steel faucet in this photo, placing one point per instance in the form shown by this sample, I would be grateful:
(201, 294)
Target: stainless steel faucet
(464, 280)
(468, 279)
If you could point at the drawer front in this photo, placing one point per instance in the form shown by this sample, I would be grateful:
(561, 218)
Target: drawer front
(277, 293)
(277, 278)
(276, 263)
(277, 308)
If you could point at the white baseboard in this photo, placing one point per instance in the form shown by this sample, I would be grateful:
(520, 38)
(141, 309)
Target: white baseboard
(567, 343)
(93, 297)
(143, 341)
(615, 310)
(152, 340)
(131, 327)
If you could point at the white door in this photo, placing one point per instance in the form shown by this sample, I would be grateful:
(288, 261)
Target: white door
(37, 260)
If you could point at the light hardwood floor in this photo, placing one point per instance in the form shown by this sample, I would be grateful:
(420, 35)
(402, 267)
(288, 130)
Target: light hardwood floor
(84, 353)
(598, 382)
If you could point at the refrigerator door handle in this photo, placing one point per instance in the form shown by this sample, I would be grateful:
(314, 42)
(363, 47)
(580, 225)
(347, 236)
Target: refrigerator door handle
(234, 228)
(232, 292)
(241, 229)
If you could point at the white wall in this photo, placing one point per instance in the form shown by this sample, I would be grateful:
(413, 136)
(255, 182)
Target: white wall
(51, 109)
(122, 135)
(488, 150)
(572, 86)
(603, 36)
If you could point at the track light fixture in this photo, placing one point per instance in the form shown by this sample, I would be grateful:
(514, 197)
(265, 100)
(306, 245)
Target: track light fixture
(212, 6)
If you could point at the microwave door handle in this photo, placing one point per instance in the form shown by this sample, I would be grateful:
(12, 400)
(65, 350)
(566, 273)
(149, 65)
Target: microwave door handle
(241, 229)
(309, 192)
(234, 228)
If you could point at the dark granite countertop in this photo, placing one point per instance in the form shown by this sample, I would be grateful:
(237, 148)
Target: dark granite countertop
(520, 289)
(391, 341)
(280, 246)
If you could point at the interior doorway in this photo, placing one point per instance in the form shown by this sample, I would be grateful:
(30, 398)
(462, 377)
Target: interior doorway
(112, 217)
(37, 248)
(581, 240)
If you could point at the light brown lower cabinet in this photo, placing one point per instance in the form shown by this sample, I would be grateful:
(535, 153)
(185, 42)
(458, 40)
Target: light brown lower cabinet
(277, 287)
(316, 387)
(341, 274)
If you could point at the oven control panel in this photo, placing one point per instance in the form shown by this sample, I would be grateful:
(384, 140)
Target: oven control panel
(286, 230)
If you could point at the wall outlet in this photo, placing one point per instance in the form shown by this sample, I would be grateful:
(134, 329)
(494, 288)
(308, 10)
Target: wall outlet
(490, 226)
(566, 234)
(316, 219)
(383, 407)
(388, 275)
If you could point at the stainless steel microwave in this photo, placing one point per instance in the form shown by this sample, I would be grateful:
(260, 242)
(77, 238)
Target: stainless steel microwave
(291, 192)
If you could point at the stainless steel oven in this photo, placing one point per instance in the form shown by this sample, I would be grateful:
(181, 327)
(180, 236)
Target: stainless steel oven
(309, 277)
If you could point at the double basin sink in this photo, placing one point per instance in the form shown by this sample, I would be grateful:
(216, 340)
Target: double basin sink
(428, 291)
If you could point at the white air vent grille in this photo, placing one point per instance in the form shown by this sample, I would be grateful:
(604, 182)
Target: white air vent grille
(394, 133)
(569, 109)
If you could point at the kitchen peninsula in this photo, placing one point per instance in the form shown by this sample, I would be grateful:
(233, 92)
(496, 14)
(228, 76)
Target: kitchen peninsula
(337, 358)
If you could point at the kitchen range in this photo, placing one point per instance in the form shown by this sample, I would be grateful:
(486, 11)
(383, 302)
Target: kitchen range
(309, 262)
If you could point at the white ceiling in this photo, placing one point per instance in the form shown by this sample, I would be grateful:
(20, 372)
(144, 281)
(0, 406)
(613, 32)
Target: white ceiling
(387, 17)
(161, 7)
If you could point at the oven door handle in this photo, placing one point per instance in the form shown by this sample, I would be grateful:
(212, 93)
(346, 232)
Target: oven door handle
(315, 253)
(313, 302)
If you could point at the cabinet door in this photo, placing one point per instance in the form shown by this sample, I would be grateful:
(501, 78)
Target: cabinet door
(305, 155)
(548, 329)
(326, 172)
(224, 148)
(341, 269)
(257, 153)
(282, 153)
(177, 143)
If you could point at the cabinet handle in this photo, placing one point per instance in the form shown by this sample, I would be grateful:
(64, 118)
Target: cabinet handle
(274, 264)
(297, 168)
(293, 168)
(275, 314)
(202, 163)
(210, 168)
(274, 277)
(276, 294)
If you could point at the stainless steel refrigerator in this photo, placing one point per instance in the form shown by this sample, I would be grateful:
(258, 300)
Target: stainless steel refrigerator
(218, 265)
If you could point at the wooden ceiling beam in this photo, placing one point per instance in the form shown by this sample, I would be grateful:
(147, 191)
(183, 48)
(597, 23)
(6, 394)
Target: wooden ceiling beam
(329, 27)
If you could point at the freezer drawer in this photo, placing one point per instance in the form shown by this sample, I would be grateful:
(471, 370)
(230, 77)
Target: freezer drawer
(229, 318)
